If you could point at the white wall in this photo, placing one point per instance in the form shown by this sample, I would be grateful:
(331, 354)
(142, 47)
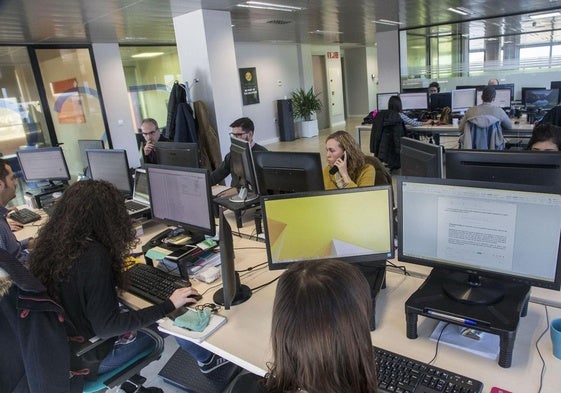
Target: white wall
(277, 76)
(116, 100)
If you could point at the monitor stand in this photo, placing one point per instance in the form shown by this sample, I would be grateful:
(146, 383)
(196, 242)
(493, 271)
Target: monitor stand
(243, 293)
(244, 195)
(432, 300)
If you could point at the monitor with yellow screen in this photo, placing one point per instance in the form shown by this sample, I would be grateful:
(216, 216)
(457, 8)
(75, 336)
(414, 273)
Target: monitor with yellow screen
(354, 225)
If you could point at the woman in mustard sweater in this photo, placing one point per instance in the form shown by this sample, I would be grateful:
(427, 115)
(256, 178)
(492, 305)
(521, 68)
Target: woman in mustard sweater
(347, 166)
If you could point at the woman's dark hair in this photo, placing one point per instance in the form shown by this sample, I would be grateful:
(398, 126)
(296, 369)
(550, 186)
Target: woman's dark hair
(321, 330)
(435, 84)
(87, 211)
(394, 104)
(355, 157)
(544, 133)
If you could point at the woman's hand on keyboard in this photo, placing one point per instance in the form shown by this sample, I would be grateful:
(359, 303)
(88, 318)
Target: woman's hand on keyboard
(183, 296)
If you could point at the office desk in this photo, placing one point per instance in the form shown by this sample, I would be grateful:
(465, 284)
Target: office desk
(522, 130)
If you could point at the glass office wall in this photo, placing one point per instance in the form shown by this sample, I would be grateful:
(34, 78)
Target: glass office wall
(150, 72)
(73, 100)
(22, 119)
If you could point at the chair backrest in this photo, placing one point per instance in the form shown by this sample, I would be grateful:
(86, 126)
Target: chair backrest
(553, 116)
(383, 176)
(482, 133)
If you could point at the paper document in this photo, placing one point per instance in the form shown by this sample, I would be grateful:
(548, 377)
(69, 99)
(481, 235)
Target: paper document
(487, 344)
(166, 325)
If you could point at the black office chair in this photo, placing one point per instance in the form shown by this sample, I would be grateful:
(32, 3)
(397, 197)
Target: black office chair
(35, 346)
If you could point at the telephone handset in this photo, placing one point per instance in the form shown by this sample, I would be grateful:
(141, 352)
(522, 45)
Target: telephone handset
(334, 169)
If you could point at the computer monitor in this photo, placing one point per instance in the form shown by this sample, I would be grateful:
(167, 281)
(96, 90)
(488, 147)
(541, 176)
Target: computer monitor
(555, 85)
(415, 90)
(353, 225)
(241, 165)
(280, 172)
(463, 87)
(463, 99)
(421, 158)
(502, 97)
(177, 154)
(521, 167)
(382, 100)
(84, 144)
(43, 164)
(439, 101)
(232, 292)
(541, 98)
(111, 166)
(182, 196)
(414, 101)
(525, 89)
(509, 86)
(485, 234)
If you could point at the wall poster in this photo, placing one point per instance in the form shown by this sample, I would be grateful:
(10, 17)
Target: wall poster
(248, 81)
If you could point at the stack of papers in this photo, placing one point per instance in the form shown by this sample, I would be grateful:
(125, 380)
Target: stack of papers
(166, 325)
(471, 340)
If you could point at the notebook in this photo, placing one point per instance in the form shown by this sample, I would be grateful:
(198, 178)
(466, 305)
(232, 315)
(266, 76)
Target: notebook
(140, 202)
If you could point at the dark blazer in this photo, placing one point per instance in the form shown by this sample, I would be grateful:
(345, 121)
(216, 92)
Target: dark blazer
(385, 139)
(177, 96)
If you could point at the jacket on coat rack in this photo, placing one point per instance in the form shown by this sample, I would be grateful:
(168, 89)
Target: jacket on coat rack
(177, 96)
(185, 125)
(209, 143)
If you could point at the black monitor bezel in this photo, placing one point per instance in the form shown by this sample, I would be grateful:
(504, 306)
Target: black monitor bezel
(243, 148)
(436, 153)
(42, 150)
(497, 165)
(285, 163)
(127, 193)
(555, 285)
(195, 229)
(439, 98)
(523, 91)
(180, 149)
(547, 107)
(370, 259)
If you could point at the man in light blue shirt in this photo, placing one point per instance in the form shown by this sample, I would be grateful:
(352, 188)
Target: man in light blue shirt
(8, 242)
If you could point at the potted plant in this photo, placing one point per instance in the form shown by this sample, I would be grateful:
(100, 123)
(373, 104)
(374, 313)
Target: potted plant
(304, 105)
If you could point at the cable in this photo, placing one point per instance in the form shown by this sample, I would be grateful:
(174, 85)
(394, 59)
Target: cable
(538, 348)
(400, 267)
(264, 285)
(438, 342)
(251, 268)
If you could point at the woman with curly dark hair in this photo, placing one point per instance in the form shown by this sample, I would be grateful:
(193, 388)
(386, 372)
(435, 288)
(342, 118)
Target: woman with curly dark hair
(79, 257)
(347, 166)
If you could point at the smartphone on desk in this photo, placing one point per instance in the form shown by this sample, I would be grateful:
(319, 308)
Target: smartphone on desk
(181, 252)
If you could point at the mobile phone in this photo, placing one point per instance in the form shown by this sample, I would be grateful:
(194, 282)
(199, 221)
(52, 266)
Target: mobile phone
(180, 253)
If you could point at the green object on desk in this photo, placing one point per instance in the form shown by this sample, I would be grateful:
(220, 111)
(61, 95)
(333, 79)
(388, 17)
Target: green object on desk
(196, 321)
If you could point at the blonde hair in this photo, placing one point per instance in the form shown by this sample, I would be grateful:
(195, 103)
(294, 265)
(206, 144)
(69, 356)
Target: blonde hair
(355, 157)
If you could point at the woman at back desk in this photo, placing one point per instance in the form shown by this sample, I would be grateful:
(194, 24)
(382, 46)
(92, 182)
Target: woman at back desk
(347, 166)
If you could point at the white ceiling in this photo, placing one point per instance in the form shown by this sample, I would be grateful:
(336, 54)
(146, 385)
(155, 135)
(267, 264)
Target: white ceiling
(347, 22)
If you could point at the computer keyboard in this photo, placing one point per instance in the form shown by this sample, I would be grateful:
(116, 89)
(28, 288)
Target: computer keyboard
(24, 216)
(134, 206)
(398, 373)
(153, 284)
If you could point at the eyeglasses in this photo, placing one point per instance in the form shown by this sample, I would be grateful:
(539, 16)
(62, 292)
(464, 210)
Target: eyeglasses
(150, 133)
(213, 307)
(238, 134)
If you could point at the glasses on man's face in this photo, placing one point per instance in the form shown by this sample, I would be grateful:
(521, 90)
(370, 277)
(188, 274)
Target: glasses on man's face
(239, 135)
(149, 133)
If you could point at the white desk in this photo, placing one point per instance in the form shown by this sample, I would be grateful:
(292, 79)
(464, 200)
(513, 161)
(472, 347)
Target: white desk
(522, 130)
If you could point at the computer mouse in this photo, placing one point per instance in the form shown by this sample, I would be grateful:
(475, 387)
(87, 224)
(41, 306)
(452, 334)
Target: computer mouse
(516, 122)
(196, 297)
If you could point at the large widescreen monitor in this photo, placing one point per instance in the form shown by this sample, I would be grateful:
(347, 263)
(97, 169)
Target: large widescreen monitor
(421, 158)
(182, 196)
(241, 165)
(463, 99)
(522, 167)
(44, 164)
(177, 154)
(280, 172)
(525, 89)
(485, 234)
(382, 100)
(541, 98)
(353, 224)
(414, 101)
(502, 97)
(111, 166)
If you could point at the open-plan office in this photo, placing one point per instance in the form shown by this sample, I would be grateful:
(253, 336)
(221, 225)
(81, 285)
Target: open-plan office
(74, 76)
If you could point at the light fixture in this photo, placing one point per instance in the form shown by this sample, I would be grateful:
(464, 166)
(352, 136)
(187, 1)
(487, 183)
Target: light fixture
(146, 55)
(325, 32)
(458, 10)
(270, 6)
(387, 22)
(546, 15)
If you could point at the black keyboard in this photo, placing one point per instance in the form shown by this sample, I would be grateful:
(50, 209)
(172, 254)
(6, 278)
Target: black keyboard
(134, 206)
(24, 216)
(153, 284)
(397, 373)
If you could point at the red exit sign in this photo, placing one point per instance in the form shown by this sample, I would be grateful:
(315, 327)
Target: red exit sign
(332, 55)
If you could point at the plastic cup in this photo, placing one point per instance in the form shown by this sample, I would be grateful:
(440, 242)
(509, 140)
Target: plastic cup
(555, 331)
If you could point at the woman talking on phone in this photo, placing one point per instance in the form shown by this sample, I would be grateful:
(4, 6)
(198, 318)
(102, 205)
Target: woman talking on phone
(347, 166)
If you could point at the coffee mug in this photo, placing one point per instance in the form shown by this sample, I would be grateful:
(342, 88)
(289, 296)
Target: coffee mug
(555, 331)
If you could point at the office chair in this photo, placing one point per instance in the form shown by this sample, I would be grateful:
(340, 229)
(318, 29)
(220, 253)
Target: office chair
(483, 133)
(36, 351)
